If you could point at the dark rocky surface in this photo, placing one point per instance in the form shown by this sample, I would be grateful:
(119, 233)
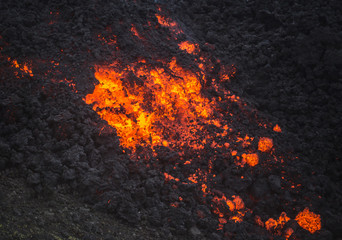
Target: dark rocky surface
(288, 60)
(59, 216)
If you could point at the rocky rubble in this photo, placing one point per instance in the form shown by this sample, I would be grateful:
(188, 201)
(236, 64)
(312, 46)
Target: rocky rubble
(288, 58)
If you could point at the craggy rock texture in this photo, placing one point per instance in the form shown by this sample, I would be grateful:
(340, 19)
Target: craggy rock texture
(59, 216)
(288, 60)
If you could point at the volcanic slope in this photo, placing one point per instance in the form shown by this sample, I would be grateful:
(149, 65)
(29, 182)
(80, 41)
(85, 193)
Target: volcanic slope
(230, 166)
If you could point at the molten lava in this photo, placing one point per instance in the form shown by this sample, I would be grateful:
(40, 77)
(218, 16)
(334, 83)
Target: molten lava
(155, 103)
(276, 128)
(272, 224)
(188, 47)
(164, 109)
(265, 144)
(251, 159)
(24, 67)
(309, 220)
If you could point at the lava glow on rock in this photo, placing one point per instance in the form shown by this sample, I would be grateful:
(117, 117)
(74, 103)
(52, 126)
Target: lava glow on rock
(161, 103)
(309, 220)
(164, 109)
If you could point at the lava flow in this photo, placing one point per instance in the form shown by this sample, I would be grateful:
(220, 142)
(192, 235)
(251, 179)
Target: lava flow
(164, 109)
(161, 103)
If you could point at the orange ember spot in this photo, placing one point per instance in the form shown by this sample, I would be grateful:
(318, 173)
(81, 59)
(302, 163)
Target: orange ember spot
(135, 32)
(272, 224)
(276, 128)
(239, 204)
(204, 188)
(22, 67)
(168, 177)
(188, 47)
(251, 159)
(193, 178)
(288, 233)
(226, 72)
(237, 218)
(174, 204)
(309, 220)
(265, 144)
(246, 141)
(67, 82)
(222, 220)
(233, 205)
(167, 22)
(109, 41)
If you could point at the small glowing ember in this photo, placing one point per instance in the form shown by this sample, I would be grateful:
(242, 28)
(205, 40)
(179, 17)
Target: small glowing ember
(135, 32)
(276, 128)
(168, 177)
(169, 23)
(309, 220)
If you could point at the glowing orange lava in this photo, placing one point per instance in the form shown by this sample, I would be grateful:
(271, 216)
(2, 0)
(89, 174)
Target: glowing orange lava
(276, 128)
(252, 159)
(135, 32)
(272, 224)
(169, 23)
(168, 177)
(24, 67)
(157, 102)
(288, 233)
(167, 102)
(265, 144)
(188, 47)
(309, 220)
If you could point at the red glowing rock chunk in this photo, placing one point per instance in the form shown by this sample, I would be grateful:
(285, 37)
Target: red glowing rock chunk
(239, 204)
(188, 47)
(252, 159)
(276, 128)
(309, 220)
(265, 144)
(272, 224)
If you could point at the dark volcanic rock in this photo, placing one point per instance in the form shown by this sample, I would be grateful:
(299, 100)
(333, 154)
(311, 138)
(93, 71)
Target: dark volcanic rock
(288, 60)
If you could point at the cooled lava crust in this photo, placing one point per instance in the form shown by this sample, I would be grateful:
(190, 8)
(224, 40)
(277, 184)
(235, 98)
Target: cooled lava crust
(206, 119)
